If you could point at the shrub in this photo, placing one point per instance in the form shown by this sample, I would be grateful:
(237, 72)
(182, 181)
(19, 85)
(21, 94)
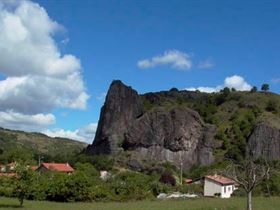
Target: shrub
(167, 178)
(271, 106)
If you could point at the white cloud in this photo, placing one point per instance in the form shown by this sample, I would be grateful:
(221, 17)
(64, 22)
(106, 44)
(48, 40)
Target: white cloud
(276, 81)
(37, 77)
(206, 64)
(85, 134)
(237, 82)
(205, 89)
(18, 121)
(234, 81)
(174, 58)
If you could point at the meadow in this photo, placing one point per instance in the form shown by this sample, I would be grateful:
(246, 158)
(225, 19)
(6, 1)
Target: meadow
(259, 203)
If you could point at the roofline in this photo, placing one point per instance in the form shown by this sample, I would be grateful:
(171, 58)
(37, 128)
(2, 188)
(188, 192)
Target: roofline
(223, 184)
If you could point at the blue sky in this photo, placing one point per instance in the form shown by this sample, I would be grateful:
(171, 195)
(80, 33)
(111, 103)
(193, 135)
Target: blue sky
(149, 45)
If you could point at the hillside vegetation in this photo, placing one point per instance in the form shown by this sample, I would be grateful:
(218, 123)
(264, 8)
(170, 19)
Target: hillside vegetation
(16, 145)
(235, 114)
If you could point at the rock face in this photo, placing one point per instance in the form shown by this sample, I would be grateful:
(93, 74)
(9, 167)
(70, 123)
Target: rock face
(264, 142)
(122, 106)
(175, 135)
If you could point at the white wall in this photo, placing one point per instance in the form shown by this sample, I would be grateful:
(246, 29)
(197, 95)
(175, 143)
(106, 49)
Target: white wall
(211, 188)
(229, 191)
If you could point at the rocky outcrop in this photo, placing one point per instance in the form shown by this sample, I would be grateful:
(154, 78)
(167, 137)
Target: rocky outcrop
(122, 106)
(264, 142)
(177, 135)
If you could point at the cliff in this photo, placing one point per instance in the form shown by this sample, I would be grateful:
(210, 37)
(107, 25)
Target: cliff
(176, 135)
(185, 127)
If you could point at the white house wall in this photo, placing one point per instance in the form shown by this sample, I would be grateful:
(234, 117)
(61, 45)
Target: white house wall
(211, 188)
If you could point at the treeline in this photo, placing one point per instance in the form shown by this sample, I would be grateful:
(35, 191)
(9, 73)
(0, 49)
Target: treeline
(85, 184)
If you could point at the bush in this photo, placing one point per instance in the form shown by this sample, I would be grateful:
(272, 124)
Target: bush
(271, 106)
(168, 178)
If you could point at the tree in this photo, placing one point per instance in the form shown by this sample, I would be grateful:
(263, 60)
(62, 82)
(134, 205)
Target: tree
(174, 89)
(254, 89)
(24, 179)
(248, 174)
(265, 87)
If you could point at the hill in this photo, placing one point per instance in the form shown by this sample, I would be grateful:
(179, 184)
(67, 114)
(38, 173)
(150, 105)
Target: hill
(186, 127)
(24, 145)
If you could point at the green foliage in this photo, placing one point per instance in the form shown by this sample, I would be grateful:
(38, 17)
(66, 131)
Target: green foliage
(147, 105)
(243, 122)
(24, 178)
(265, 87)
(19, 145)
(103, 162)
(16, 154)
(254, 89)
(131, 186)
(271, 106)
(174, 89)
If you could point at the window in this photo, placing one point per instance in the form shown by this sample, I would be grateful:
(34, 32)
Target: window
(229, 188)
(225, 189)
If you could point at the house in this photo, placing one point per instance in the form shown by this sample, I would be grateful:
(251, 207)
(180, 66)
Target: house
(55, 167)
(218, 185)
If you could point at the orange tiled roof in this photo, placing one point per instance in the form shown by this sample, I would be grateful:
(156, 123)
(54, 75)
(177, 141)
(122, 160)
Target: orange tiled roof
(188, 180)
(220, 179)
(60, 167)
(34, 168)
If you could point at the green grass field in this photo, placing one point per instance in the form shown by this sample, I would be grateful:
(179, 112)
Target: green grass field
(259, 203)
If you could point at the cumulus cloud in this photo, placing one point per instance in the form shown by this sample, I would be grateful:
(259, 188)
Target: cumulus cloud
(206, 64)
(235, 81)
(37, 78)
(174, 58)
(85, 134)
(18, 121)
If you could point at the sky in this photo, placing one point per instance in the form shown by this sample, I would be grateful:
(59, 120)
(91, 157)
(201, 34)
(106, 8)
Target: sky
(58, 58)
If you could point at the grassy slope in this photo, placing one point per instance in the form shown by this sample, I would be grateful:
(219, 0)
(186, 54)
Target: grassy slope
(38, 143)
(259, 203)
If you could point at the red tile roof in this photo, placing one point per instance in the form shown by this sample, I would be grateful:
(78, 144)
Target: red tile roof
(220, 179)
(34, 168)
(60, 167)
(188, 181)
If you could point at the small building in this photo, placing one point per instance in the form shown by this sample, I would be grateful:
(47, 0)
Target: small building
(218, 185)
(55, 167)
